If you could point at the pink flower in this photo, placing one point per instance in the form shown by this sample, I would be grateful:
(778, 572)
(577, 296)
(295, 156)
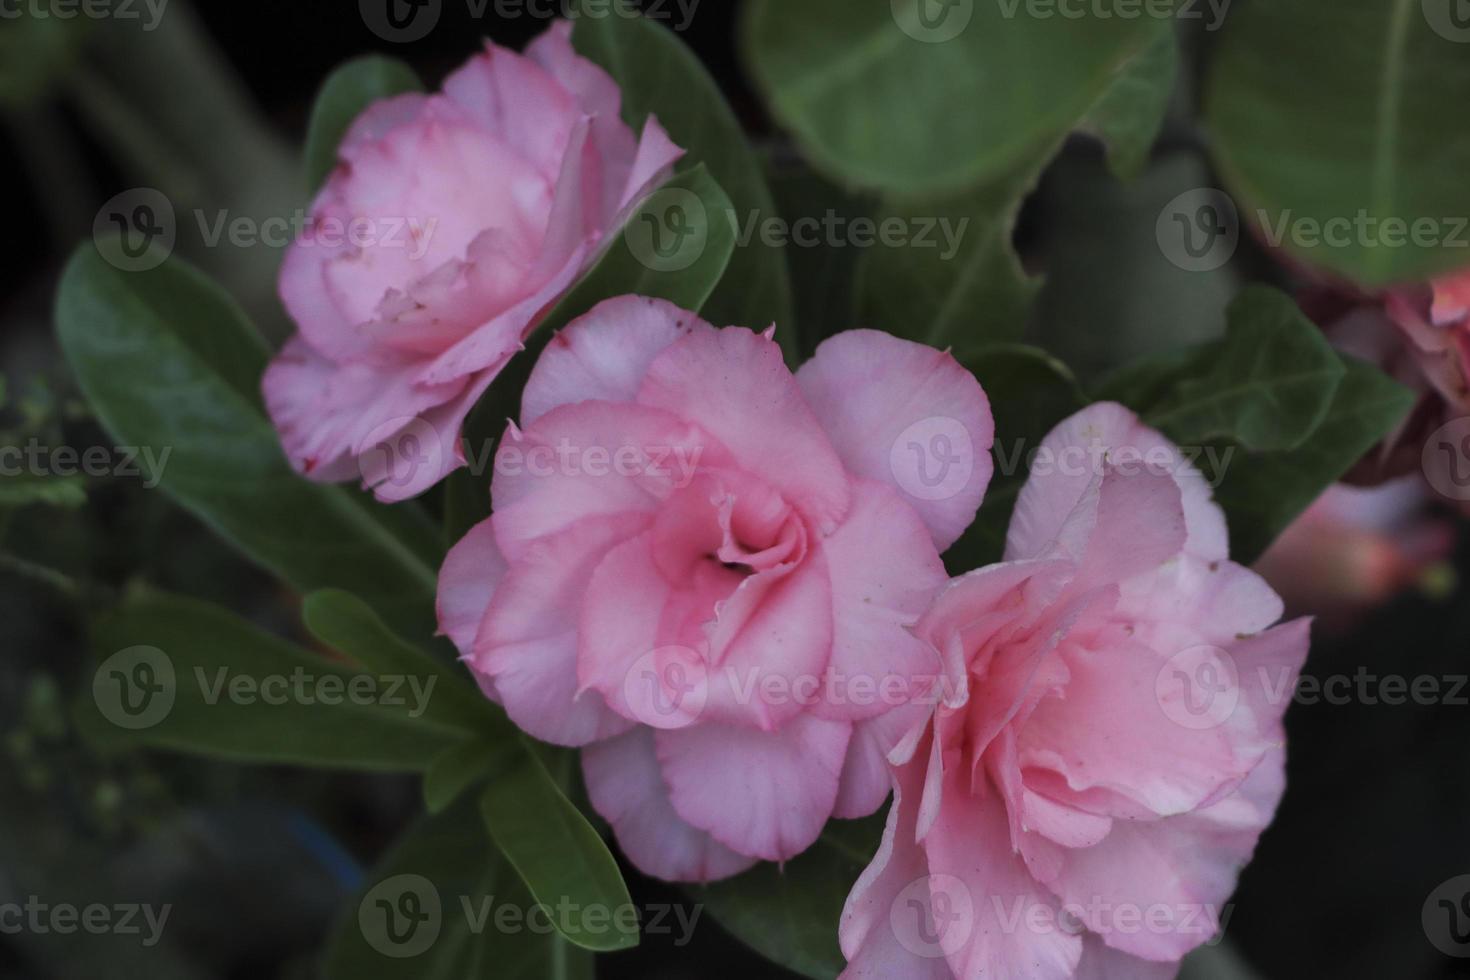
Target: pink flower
(1110, 745)
(704, 570)
(451, 223)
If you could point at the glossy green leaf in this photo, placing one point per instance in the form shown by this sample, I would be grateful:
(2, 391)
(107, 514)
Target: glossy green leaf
(459, 768)
(948, 276)
(926, 97)
(1267, 385)
(789, 913)
(349, 90)
(169, 362)
(53, 491)
(1130, 113)
(1264, 492)
(557, 854)
(187, 676)
(1339, 160)
(345, 623)
(443, 904)
(658, 74)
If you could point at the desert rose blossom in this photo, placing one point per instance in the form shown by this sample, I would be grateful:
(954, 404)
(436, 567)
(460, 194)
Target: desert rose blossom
(1110, 743)
(450, 224)
(704, 570)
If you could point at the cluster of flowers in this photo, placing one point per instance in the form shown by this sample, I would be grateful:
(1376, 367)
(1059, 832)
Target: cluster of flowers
(1036, 751)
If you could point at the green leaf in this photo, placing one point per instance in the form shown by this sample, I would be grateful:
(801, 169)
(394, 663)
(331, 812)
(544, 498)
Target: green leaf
(345, 623)
(458, 768)
(789, 913)
(1264, 492)
(953, 279)
(169, 362)
(446, 871)
(1030, 392)
(1131, 112)
(342, 98)
(1266, 386)
(191, 677)
(658, 74)
(878, 99)
(822, 275)
(557, 854)
(53, 491)
(1369, 129)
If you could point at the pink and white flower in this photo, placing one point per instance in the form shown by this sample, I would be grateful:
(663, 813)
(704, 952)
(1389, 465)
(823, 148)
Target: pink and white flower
(1110, 746)
(704, 570)
(452, 222)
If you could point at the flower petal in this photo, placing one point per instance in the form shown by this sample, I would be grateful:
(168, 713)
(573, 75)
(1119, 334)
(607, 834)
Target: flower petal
(880, 398)
(627, 788)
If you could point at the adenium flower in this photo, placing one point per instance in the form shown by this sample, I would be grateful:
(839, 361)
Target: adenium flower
(1109, 746)
(704, 570)
(451, 223)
